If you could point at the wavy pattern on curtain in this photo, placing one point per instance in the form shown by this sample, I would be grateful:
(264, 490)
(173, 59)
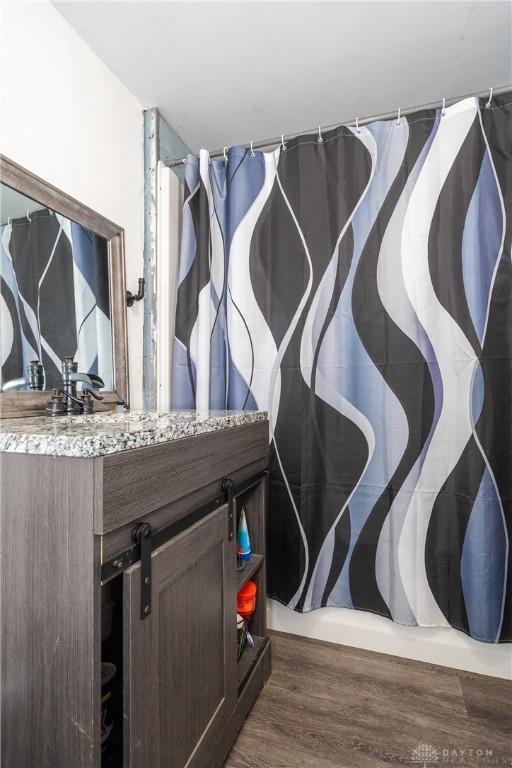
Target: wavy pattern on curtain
(54, 298)
(360, 290)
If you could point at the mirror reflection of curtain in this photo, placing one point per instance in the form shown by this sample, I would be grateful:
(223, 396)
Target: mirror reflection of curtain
(54, 298)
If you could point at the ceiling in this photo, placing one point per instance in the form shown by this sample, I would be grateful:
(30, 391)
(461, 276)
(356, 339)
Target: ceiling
(226, 73)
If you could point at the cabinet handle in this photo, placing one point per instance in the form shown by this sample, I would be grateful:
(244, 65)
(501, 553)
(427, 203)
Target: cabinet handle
(142, 536)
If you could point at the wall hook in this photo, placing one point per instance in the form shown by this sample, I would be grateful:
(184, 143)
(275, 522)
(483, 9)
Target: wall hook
(131, 298)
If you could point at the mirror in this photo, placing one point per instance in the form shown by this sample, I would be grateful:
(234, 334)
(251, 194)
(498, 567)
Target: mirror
(62, 293)
(54, 296)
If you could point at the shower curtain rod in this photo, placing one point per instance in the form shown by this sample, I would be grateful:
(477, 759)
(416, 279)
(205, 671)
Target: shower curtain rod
(490, 92)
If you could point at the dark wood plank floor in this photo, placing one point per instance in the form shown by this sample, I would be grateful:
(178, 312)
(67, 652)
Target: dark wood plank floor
(331, 706)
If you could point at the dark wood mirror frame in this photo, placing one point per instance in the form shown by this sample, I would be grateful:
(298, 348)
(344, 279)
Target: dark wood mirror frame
(14, 404)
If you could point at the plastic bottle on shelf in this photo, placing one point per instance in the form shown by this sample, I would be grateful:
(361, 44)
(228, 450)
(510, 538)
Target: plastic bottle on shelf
(243, 540)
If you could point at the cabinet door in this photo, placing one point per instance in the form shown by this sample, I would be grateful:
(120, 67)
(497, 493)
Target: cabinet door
(180, 662)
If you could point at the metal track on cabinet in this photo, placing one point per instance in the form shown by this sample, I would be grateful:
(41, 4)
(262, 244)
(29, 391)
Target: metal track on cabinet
(228, 492)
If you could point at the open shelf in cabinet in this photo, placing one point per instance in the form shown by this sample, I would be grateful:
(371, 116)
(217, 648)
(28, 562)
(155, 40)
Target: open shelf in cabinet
(254, 501)
(249, 571)
(249, 658)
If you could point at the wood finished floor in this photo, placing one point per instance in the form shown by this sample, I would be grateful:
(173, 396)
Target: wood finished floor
(331, 706)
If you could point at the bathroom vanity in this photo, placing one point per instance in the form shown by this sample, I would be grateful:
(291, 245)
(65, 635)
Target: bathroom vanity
(117, 528)
(123, 526)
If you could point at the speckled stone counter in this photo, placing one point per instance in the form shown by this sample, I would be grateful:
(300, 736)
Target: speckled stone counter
(103, 433)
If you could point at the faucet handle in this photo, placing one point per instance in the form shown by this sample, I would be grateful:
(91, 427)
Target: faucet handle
(56, 405)
(86, 393)
(87, 401)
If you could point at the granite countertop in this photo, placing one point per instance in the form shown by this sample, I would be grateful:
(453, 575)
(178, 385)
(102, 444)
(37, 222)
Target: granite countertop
(103, 433)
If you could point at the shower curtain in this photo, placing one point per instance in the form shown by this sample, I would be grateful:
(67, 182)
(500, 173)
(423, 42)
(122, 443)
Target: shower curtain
(54, 298)
(359, 289)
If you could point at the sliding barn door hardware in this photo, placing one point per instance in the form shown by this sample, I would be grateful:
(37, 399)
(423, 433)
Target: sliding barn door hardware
(146, 539)
(142, 536)
(228, 487)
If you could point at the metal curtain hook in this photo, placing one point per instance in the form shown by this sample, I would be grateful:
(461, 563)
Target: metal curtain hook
(252, 150)
(443, 109)
(398, 118)
(358, 130)
(320, 137)
(488, 105)
(28, 214)
(225, 154)
(283, 145)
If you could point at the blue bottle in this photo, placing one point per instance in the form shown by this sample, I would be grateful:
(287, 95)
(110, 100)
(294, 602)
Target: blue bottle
(243, 541)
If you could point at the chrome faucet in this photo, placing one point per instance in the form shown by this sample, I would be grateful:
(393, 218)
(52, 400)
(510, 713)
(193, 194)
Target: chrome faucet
(67, 400)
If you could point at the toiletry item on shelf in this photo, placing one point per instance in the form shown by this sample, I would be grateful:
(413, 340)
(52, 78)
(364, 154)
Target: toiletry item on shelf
(246, 600)
(241, 634)
(243, 548)
(244, 637)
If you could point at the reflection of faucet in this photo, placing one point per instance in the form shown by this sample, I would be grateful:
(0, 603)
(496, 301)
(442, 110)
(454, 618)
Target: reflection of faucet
(34, 379)
(68, 400)
(14, 383)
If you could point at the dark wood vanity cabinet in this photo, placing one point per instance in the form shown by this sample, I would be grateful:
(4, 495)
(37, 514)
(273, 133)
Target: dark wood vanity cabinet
(68, 532)
(181, 697)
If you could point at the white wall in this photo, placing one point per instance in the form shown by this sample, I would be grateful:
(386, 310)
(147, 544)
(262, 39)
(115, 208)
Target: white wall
(65, 117)
(446, 647)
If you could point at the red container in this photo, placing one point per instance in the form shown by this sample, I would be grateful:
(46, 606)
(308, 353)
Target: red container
(246, 600)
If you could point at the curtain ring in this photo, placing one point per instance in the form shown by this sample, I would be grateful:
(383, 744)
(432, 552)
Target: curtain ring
(252, 150)
(225, 155)
(320, 138)
(488, 105)
(358, 130)
(398, 118)
(283, 145)
(443, 109)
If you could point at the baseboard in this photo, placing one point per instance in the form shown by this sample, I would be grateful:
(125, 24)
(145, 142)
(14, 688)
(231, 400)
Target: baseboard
(446, 647)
